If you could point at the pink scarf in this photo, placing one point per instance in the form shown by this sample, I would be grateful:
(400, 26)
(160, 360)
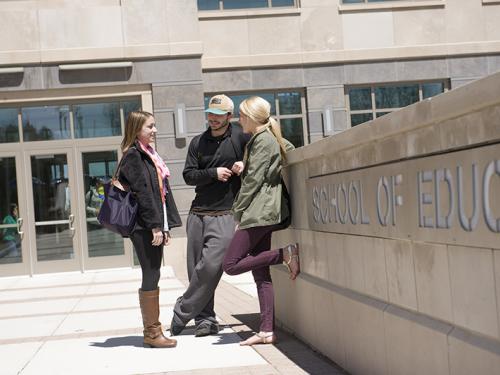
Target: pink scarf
(161, 167)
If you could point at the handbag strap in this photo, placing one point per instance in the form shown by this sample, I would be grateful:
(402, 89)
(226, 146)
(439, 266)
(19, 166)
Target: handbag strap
(114, 179)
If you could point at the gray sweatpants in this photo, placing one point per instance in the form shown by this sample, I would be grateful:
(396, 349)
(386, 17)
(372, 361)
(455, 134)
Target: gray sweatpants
(207, 240)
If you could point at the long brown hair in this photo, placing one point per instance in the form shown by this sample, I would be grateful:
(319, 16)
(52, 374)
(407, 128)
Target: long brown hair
(259, 110)
(133, 126)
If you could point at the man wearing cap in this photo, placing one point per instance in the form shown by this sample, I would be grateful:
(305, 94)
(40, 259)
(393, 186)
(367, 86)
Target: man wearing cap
(213, 165)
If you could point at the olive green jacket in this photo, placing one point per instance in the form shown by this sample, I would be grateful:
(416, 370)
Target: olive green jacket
(260, 201)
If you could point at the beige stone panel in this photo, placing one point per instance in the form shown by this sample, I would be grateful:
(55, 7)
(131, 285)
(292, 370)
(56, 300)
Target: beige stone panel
(334, 246)
(133, 51)
(491, 15)
(74, 54)
(402, 121)
(471, 354)
(423, 141)
(415, 344)
(328, 37)
(319, 250)
(368, 30)
(375, 269)
(295, 177)
(481, 235)
(305, 325)
(304, 4)
(472, 128)
(400, 273)
(496, 265)
(309, 253)
(460, 13)
(433, 280)
(422, 26)
(74, 27)
(21, 27)
(188, 29)
(466, 99)
(145, 24)
(354, 248)
(285, 299)
(270, 35)
(20, 57)
(364, 338)
(328, 326)
(214, 45)
(473, 294)
(186, 48)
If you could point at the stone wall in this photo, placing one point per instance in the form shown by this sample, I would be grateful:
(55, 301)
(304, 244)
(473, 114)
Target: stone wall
(398, 221)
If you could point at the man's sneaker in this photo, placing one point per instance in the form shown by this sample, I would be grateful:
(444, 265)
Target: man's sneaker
(206, 328)
(175, 328)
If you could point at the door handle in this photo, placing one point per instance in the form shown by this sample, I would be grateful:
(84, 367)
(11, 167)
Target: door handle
(19, 225)
(71, 226)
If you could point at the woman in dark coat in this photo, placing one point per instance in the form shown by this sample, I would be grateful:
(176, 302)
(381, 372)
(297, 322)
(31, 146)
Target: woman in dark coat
(146, 175)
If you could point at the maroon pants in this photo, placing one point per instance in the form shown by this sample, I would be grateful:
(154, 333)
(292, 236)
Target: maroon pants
(249, 250)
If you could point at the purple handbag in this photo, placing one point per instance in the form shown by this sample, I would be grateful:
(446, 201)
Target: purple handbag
(119, 210)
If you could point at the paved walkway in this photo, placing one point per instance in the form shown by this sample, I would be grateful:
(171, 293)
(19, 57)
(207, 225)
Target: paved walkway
(74, 323)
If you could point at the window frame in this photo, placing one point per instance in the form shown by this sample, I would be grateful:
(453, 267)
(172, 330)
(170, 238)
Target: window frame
(70, 103)
(374, 110)
(296, 4)
(278, 116)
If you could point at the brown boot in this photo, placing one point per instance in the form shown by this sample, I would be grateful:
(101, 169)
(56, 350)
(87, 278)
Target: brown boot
(150, 309)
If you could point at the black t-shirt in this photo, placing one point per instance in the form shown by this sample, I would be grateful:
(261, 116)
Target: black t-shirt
(206, 153)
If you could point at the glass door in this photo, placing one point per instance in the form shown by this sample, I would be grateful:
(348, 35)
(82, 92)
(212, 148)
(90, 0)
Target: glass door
(101, 247)
(53, 220)
(14, 258)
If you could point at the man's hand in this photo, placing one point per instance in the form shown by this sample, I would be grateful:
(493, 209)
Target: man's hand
(237, 168)
(166, 238)
(223, 174)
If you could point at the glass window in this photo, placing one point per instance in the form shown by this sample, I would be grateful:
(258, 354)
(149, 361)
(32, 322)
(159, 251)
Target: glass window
(208, 4)
(283, 3)
(289, 103)
(360, 98)
(130, 106)
(291, 129)
(52, 201)
(388, 98)
(98, 168)
(10, 241)
(396, 96)
(359, 118)
(243, 4)
(432, 89)
(45, 123)
(97, 120)
(9, 130)
(286, 107)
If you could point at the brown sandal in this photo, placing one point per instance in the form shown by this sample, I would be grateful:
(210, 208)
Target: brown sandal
(291, 259)
(260, 338)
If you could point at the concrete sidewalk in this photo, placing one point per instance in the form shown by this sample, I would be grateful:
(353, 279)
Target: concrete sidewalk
(90, 323)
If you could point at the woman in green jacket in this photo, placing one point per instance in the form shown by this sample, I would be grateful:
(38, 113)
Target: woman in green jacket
(260, 209)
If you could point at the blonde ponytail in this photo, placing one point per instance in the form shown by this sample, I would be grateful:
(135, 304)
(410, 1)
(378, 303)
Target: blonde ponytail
(276, 130)
(259, 110)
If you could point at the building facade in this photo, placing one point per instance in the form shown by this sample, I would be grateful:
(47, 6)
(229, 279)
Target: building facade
(70, 73)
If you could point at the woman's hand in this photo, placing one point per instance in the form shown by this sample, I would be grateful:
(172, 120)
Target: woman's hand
(237, 168)
(166, 238)
(157, 237)
(237, 227)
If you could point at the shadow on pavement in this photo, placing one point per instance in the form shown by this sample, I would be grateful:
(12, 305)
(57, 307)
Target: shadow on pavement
(114, 342)
(302, 355)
